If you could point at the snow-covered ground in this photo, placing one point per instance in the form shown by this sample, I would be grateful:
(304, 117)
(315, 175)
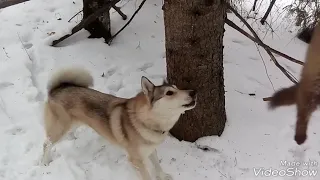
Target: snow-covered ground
(254, 137)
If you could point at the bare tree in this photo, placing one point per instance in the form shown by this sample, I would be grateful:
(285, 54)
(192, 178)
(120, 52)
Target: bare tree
(264, 18)
(306, 14)
(194, 52)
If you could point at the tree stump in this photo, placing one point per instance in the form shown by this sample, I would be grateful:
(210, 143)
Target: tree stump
(101, 26)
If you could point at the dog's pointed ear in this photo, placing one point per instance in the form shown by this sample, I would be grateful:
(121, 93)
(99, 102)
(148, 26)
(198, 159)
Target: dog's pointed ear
(146, 85)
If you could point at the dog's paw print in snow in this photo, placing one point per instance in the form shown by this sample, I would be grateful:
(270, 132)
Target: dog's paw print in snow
(253, 58)
(37, 20)
(27, 45)
(52, 9)
(164, 176)
(115, 86)
(110, 72)
(145, 66)
(5, 84)
(238, 42)
(26, 37)
(15, 131)
(29, 147)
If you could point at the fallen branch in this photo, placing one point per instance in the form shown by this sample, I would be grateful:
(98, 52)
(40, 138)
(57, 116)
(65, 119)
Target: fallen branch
(75, 15)
(285, 72)
(87, 21)
(134, 14)
(234, 26)
(124, 17)
(7, 3)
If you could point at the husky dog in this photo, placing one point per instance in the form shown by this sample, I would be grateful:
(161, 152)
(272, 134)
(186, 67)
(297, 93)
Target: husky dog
(138, 124)
(305, 94)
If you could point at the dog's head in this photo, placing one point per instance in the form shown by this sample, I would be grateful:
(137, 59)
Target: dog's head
(167, 98)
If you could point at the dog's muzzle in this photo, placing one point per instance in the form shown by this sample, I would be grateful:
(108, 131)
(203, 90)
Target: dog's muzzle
(193, 95)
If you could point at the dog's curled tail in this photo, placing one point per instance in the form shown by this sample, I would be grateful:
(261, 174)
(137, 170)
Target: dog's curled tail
(71, 76)
(283, 97)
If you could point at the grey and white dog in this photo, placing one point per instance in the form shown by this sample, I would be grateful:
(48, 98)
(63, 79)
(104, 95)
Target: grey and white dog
(138, 124)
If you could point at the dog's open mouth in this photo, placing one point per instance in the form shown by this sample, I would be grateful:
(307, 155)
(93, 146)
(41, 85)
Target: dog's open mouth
(191, 104)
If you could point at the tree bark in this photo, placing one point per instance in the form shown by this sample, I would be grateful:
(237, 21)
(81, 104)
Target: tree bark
(194, 32)
(101, 26)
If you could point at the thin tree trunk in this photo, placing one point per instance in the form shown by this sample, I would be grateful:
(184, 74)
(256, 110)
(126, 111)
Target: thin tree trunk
(263, 20)
(101, 26)
(254, 5)
(194, 53)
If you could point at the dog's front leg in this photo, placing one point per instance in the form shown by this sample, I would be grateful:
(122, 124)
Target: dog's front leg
(159, 172)
(139, 165)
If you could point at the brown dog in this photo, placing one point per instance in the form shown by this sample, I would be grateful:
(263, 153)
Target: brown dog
(306, 94)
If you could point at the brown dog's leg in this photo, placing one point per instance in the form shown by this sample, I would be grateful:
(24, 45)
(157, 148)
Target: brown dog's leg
(306, 105)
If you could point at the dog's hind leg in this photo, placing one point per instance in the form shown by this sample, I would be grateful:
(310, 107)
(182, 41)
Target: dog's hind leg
(46, 157)
(159, 172)
(56, 126)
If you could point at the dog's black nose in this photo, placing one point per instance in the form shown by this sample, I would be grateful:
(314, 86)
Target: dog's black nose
(192, 93)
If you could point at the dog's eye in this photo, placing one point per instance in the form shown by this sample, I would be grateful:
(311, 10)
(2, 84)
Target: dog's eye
(169, 93)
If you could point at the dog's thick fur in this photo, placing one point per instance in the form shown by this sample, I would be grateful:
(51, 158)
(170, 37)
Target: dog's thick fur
(306, 94)
(138, 124)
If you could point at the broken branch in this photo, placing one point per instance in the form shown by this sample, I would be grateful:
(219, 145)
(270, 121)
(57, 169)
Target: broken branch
(75, 15)
(285, 72)
(234, 26)
(263, 20)
(134, 14)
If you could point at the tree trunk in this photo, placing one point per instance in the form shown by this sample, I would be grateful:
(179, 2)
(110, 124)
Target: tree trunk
(194, 53)
(101, 26)
(263, 20)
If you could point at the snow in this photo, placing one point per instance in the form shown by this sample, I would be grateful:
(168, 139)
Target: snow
(254, 136)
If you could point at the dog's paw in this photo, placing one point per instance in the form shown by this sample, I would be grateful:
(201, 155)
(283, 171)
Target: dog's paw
(45, 161)
(164, 176)
(300, 138)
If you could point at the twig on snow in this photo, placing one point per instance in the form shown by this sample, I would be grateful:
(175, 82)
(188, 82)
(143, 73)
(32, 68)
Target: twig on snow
(285, 72)
(234, 26)
(75, 15)
(134, 14)
(124, 17)
(86, 21)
